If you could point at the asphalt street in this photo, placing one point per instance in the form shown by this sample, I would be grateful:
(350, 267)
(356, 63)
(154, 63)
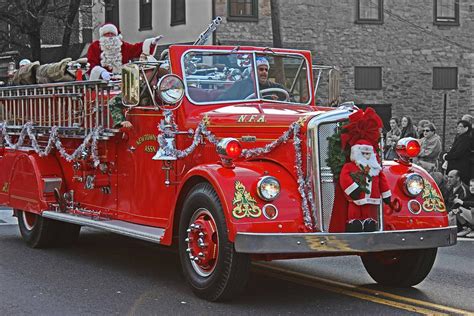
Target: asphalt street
(107, 274)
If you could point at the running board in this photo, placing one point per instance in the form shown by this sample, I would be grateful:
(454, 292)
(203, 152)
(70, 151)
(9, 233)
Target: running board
(153, 234)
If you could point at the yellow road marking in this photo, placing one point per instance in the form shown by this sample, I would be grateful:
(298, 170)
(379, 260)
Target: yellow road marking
(351, 290)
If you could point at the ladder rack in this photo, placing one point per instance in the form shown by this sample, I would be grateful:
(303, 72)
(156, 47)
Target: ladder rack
(75, 107)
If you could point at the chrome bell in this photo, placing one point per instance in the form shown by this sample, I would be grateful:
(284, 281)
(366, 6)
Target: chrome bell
(161, 153)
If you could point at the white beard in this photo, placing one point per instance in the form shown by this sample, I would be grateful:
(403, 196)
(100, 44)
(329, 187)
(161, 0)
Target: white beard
(111, 56)
(372, 163)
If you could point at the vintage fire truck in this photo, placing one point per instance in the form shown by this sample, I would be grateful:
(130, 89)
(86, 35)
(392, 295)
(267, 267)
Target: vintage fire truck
(227, 172)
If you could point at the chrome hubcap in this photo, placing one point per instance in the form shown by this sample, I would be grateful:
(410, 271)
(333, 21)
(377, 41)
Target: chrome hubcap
(202, 242)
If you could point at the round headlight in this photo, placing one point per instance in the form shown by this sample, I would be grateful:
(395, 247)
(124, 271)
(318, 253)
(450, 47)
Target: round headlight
(268, 188)
(413, 184)
(170, 89)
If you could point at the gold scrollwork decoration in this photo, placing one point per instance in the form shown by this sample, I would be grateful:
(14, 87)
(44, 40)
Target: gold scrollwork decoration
(432, 201)
(5, 187)
(244, 204)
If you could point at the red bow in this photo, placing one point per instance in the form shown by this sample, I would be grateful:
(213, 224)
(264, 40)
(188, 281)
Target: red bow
(362, 125)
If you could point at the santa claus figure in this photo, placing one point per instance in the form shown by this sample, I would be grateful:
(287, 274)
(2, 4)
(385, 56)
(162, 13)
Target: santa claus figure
(107, 55)
(364, 186)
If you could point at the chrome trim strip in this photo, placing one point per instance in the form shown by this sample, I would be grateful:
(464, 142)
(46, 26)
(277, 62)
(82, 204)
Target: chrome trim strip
(313, 164)
(153, 234)
(275, 243)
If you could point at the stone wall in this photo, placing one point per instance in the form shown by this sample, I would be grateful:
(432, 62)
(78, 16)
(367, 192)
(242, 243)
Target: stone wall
(407, 46)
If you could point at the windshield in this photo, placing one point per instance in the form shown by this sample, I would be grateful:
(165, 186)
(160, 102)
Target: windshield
(215, 77)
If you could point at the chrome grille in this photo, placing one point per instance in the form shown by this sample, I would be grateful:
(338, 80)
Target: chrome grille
(326, 176)
(319, 129)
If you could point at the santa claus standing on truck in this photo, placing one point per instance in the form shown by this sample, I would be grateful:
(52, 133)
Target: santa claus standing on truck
(364, 184)
(107, 55)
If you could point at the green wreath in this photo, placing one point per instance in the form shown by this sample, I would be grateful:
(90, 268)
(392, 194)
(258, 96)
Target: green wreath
(336, 155)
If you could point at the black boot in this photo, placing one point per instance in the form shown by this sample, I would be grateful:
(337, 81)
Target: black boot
(370, 225)
(354, 226)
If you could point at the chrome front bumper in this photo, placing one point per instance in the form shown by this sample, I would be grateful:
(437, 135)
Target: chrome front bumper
(345, 242)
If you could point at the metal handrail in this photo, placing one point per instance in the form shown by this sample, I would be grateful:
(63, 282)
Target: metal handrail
(79, 104)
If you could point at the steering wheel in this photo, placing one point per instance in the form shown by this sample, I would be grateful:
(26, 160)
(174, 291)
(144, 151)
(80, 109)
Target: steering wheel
(269, 92)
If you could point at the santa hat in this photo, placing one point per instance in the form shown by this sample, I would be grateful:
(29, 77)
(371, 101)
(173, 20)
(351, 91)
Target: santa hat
(108, 28)
(262, 61)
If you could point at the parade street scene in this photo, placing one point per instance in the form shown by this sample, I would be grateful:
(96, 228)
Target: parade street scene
(209, 157)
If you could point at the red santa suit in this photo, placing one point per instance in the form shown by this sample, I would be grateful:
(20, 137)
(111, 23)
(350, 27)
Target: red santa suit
(110, 53)
(363, 183)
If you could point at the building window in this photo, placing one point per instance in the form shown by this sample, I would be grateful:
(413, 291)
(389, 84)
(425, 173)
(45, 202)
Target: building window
(445, 78)
(145, 15)
(369, 11)
(178, 12)
(368, 78)
(446, 12)
(242, 10)
(112, 12)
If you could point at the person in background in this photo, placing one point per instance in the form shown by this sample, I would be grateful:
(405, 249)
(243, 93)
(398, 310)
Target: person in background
(458, 157)
(465, 212)
(408, 130)
(468, 118)
(421, 127)
(108, 54)
(430, 148)
(393, 135)
(456, 190)
(442, 182)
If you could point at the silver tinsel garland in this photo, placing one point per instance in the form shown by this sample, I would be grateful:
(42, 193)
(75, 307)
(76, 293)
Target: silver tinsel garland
(89, 142)
(168, 129)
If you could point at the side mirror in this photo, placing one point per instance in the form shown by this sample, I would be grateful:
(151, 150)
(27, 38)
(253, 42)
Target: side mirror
(334, 90)
(130, 85)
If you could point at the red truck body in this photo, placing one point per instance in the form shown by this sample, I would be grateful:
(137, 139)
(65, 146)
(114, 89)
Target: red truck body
(208, 204)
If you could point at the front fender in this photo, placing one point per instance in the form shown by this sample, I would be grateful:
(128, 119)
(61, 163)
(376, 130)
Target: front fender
(432, 214)
(226, 183)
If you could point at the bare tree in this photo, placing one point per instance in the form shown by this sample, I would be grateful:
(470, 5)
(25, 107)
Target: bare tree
(277, 42)
(73, 8)
(21, 22)
(275, 16)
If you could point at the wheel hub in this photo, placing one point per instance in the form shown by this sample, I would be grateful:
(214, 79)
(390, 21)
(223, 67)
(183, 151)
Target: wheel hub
(202, 242)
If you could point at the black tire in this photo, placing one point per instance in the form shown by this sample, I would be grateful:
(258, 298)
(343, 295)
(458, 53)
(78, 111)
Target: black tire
(40, 232)
(400, 268)
(212, 277)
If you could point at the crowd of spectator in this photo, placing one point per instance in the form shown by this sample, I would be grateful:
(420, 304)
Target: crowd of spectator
(452, 170)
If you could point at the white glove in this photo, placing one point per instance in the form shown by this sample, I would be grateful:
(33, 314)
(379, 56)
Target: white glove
(156, 39)
(105, 75)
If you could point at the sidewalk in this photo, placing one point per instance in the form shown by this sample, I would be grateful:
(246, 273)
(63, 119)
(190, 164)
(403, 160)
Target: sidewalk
(6, 217)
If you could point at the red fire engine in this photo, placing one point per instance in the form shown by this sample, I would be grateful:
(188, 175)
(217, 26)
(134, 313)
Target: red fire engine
(225, 169)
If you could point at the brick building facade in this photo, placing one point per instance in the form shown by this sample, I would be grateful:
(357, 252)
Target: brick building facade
(401, 56)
